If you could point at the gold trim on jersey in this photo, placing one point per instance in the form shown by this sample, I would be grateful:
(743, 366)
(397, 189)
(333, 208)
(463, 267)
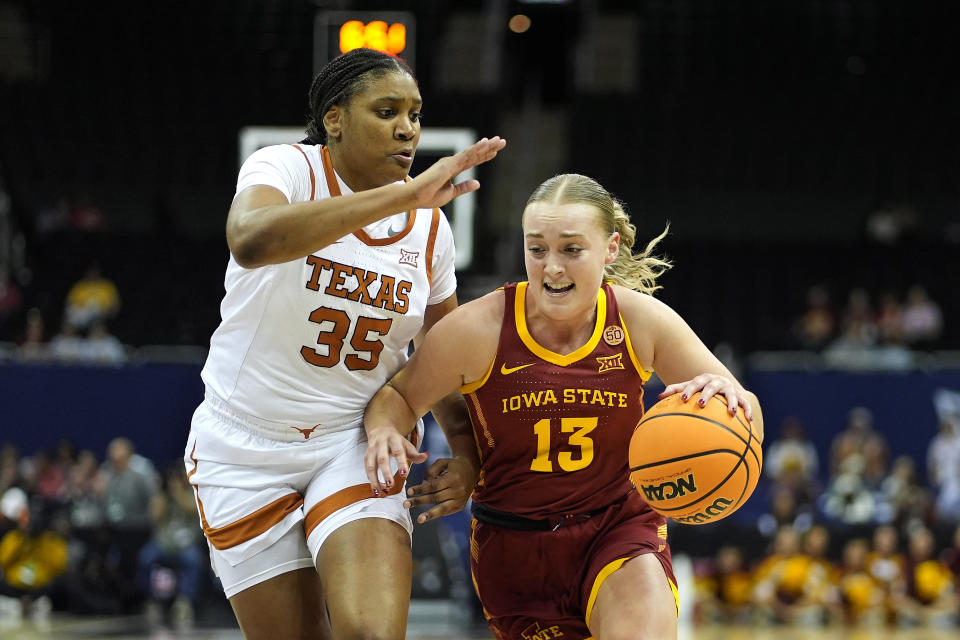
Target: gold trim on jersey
(644, 374)
(520, 317)
(473, 386)
(470, 387)
(483, 422)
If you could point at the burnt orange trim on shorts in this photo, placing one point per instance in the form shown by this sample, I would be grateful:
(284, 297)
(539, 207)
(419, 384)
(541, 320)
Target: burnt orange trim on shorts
(313, 177)
(249, 526)
(347, 496)
(432, 240)
(252, 525)
(343, 498)
(196, 489)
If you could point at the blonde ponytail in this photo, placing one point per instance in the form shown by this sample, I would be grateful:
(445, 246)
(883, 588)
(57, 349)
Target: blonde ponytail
(634, 271)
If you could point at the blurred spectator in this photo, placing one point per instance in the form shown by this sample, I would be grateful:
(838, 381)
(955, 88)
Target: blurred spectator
(784, 511)
(891, 354)
(92, 585)
(906, 501)
(858, 317)
(84, 489)
(848, 500)
(65, 454)
(171, 566)
(774, 584)
(862, 597)
(724, 595)
(890, 319)
(951, 556)
(127, 497)
(856, 346)
(31, 559)
(91, 298)
(11, 300)
(99, 346)
(888, 566)
(922, 319)
(9, 467)
(68, 345)
(816, 327)
(102, 347)
(860, 438)
(821, 583)
(931, 596)
(796, 586)
(32, 346)
(891, 221)
(943, 456)
(791, 461)
(45, 477)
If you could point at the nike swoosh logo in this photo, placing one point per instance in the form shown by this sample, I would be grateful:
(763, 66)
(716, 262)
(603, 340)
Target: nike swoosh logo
(507, 371)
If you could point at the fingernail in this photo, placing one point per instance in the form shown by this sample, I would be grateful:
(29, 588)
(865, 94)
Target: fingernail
(701, 402)
(409, 492)
(403, 473)
(376, 492)
(684, 397)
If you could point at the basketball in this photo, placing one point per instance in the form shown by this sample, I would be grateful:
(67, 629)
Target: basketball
(694, 465)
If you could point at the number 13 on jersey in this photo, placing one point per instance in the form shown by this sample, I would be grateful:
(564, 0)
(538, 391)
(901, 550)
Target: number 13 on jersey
(578, 428)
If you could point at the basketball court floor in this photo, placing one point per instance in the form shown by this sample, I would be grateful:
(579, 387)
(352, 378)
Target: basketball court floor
(429, 620)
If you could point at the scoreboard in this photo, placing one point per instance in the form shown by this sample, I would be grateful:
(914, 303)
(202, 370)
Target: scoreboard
(337, 32)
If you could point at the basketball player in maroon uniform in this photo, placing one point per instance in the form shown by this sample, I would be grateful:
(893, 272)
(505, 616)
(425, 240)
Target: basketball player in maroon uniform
(562, 545)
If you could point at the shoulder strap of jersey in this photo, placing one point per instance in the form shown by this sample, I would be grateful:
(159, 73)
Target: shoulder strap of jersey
(313, 177)
(431, 241)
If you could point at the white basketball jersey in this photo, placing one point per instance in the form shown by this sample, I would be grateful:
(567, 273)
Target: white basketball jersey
(308, 342)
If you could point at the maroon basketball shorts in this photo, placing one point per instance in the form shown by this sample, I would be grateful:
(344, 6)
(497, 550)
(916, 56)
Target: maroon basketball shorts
(536, 585)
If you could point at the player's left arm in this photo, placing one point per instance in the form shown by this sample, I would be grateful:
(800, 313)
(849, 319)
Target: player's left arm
(682, 361)
(447, 483)
(453, 351)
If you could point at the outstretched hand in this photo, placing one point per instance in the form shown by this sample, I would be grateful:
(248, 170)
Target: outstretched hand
(710, 384)
(448, 483)
(435, 186)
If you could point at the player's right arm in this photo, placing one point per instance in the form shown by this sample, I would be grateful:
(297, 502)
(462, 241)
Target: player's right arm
(665, 343)
(263, 227)
(456, 351)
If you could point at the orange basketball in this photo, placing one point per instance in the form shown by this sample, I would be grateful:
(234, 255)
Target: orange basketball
(695, 465)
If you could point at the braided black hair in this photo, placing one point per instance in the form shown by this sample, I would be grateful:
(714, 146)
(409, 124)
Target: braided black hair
(340, 79)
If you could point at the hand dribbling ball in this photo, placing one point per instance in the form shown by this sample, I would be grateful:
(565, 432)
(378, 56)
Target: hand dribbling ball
(694, 464)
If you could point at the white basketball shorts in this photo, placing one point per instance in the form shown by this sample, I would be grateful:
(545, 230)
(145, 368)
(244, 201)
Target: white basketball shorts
(267, 501)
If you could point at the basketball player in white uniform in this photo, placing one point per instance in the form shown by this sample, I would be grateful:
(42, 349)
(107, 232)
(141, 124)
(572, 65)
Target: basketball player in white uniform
(336, 265)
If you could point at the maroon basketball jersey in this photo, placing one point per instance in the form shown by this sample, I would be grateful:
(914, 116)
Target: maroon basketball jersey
(553, 431)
